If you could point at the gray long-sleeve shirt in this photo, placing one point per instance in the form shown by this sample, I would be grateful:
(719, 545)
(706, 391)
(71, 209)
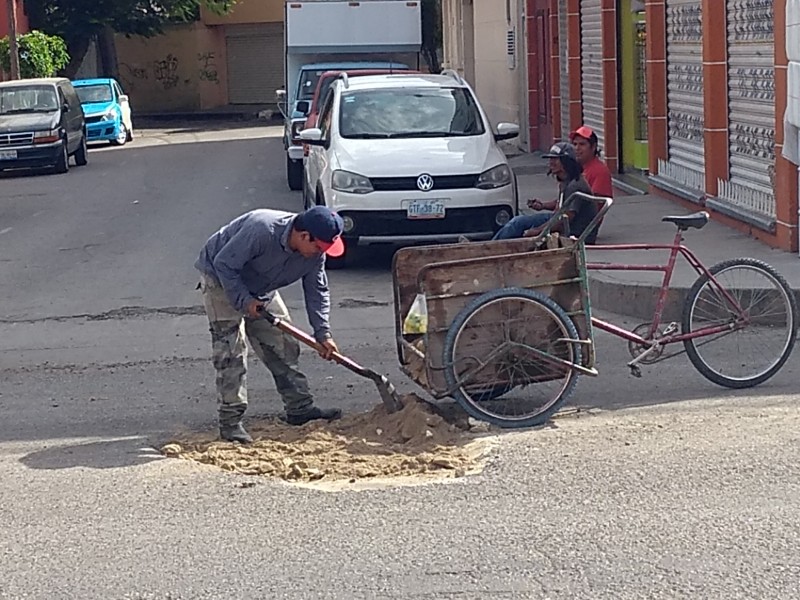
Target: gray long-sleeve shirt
(251, 259)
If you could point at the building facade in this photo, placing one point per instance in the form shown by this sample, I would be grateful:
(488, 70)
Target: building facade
(236, 58)
(687, 97)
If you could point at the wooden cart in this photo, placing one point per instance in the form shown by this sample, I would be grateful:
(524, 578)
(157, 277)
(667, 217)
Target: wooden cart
(508, 324)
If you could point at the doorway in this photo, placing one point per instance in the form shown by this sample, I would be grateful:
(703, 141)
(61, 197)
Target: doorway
(633, 87)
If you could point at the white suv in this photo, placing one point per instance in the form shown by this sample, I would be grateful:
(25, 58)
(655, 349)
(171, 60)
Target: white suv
(409, 158)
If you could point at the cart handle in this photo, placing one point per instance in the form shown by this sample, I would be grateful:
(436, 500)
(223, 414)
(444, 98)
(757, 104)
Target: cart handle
(562, 212)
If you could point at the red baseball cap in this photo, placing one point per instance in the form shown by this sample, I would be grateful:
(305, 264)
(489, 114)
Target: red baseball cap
(584, 132)
(326, 227)
(333, 249)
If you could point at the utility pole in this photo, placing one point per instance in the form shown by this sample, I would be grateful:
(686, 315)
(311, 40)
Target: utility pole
(12, 36)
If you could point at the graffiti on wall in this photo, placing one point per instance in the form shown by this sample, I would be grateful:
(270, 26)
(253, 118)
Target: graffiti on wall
(166, 71)
(131, 74)
(207, 67)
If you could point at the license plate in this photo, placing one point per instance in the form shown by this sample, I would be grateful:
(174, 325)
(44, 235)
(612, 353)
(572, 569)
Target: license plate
(8, 155)
(426, 209)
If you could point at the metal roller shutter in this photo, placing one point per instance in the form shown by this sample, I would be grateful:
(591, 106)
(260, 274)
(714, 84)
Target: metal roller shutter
(751, 101)
(255, 62)
(563, 61)
(592, 66)
(685, 112)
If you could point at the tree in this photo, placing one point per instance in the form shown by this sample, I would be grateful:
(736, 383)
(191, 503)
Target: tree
(81, 21)
(40, 55)
(432, 34)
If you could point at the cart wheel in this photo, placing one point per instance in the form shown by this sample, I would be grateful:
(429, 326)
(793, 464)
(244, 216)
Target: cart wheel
(504, 351)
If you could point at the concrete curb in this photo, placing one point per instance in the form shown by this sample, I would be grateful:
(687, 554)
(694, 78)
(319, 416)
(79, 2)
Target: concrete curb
(638, 300)
(635, 300)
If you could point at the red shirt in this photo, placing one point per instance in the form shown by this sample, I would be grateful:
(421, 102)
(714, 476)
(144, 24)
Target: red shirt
(598, 177)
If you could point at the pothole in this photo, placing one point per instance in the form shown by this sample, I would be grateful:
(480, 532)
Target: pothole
(415, 442)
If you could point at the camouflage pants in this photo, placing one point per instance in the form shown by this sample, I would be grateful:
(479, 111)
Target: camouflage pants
(278, 351)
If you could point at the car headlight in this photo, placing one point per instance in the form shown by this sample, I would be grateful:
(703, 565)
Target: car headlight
(111, 115)
(345, 181)
(46, 137)
(494, 178)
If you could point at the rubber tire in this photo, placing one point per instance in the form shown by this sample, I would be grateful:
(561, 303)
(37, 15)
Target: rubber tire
(120, 141)
(450, 340)
(294, 174)
(62, 164)
(691, 351)
(82, 153)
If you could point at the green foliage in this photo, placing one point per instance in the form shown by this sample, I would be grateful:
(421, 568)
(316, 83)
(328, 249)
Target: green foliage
(83, 19)
(40, 55)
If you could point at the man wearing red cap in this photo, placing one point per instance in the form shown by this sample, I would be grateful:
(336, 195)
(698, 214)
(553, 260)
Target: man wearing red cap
(595, 171)
(243, 265)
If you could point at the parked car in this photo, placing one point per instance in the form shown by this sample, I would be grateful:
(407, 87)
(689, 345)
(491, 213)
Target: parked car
(41, 124)
(107, 109)
(409, 158)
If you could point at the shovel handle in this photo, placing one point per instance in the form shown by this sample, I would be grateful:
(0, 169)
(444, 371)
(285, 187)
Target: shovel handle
(302, 336)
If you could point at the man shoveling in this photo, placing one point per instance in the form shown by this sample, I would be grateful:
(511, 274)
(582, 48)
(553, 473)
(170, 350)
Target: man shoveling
(243, 265)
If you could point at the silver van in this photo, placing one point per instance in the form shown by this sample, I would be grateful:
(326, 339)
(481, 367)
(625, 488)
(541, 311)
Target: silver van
(41, 125)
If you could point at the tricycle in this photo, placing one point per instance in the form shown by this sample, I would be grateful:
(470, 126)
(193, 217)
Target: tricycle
(506, 327)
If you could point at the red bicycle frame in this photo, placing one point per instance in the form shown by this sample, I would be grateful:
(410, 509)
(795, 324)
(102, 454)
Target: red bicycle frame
(675, 248)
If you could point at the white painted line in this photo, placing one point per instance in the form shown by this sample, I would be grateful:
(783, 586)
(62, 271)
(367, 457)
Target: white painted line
(6, 230)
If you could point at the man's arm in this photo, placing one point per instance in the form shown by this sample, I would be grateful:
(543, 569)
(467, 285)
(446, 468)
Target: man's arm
(318, 301)
(229, 262)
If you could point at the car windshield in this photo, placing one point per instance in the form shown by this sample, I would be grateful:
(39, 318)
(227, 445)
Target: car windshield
(94, 93)
(27, 99)
(308, 83)
(409, 113)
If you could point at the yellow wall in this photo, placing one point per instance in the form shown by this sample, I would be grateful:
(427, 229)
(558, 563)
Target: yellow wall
(184, 69)
(247, 11)
(497, 86)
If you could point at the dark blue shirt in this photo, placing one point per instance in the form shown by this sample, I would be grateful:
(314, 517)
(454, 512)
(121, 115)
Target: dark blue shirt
(251, 259)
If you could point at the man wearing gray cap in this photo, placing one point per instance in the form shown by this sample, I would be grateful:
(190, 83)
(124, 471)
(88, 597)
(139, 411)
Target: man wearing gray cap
(243, 265)
(564, 166)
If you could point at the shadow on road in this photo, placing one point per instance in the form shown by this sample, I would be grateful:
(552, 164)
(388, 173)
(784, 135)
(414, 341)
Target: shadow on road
(112, 454)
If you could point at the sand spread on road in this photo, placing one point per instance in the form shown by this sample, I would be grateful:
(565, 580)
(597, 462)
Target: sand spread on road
(415, 441)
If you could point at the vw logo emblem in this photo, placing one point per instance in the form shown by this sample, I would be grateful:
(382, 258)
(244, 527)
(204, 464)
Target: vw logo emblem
(425, 182)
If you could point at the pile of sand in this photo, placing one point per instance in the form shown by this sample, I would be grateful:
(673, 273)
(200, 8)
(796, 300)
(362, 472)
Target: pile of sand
(374, 445)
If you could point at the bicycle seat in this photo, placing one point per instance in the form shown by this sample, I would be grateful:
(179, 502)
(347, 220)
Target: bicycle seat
(696, 220)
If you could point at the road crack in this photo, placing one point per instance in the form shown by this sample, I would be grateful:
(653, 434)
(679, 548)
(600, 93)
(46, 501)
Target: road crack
(126, 312)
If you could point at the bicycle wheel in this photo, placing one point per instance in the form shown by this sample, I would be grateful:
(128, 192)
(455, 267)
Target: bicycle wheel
(758, 341)
(505, 354)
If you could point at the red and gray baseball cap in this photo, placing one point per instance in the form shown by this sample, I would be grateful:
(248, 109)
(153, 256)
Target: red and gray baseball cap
(585, 132)
(326, 228)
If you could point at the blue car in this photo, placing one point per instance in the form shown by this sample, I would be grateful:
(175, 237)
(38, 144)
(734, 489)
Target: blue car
(107, 110)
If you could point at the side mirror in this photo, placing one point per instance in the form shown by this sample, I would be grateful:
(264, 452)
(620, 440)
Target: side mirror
(312, 137)
(123, 98)
(506, 131)
(280, 94)
(65, 107)
(303, 106)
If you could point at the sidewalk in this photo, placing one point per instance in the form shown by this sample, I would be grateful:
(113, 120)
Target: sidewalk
(637, 219)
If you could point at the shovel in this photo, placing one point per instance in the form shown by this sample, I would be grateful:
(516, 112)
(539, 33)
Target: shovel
(385, 388)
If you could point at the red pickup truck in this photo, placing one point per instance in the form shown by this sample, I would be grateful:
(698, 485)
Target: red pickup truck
(324, 84)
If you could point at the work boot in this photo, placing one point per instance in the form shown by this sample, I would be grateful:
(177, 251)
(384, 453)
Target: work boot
(235, 433)
(230, 423)
(328, 414)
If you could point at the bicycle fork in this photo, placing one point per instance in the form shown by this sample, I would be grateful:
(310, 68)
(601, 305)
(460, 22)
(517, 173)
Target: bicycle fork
(656, 346)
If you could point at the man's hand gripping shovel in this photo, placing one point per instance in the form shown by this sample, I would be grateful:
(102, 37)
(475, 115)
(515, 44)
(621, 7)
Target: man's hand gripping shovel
(385, 388)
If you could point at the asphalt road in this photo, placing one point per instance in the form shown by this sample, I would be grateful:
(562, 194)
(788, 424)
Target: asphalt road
(660, 487)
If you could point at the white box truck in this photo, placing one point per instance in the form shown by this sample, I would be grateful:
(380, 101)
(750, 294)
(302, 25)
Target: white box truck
(328, 35)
